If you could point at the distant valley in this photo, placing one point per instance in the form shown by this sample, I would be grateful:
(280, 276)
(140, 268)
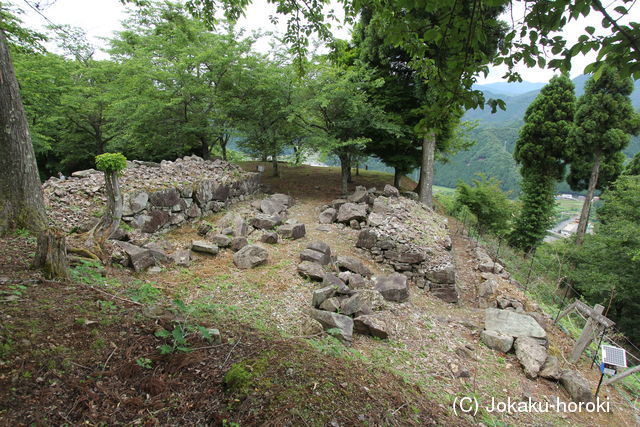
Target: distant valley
(496, 135)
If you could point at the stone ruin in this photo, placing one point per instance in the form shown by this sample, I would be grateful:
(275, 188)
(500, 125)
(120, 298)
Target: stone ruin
(402, 233)
(348, 298)
(157, 196)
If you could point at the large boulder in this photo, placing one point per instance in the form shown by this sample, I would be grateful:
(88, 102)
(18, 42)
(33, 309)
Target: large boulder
(182, 257)
(265, 222)
(270, 237)
(312, 270)
(393, 287)
(550, 369)
(371, 325)
(320, 246)
(284, 199)
(361, 195)
(332, 304)
(153, 221)
(238, 243)
(314, 256)
(366, 239)
(362, 302)
(444, 273)
(496, 341)
(531, 355)
(166, 198)
(341, 325)
(350, 211)
(221, 240)
(292, 231)
(322, 294)
(271, 206)
(250, 256)
(391, 191)
(330, 279)
(327, 216)
(354, 265)
(576, 385)
(142, 258)
(135, 202)
(512, 324)
(204, 247)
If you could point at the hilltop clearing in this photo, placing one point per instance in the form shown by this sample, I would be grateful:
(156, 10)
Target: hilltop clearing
(240, 344)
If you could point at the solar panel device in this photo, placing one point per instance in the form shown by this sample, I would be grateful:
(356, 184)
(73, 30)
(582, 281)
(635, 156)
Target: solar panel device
(614, 356)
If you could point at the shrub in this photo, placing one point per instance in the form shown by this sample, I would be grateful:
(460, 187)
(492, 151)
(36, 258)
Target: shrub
(111, 162)
(488, 203)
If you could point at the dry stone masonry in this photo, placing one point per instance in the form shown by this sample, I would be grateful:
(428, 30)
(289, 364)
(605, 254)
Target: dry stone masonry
(157, 196)
(400, 232)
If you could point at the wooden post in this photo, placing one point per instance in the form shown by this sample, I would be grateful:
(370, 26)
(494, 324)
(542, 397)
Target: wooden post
(622, 375)
(51, 255)
(587, 335)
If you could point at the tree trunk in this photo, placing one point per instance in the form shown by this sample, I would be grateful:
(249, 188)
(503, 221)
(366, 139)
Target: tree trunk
(21, 199)
(357, 169)
(349, 176)
(264, 157)
(224, 140)
(345, 169)
(397, 176)
(586, 207)
(51, 255)
(110, 221)
(206, 153)
(426, 169)
(274, 160)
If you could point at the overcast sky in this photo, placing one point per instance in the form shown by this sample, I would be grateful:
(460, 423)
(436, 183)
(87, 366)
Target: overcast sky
(100, 18)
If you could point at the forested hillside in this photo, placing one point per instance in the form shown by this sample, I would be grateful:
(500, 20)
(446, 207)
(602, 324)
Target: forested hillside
(496, 135)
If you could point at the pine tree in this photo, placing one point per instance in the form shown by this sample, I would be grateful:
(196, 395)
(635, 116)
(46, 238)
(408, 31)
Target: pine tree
(541, 151)
(604, 121)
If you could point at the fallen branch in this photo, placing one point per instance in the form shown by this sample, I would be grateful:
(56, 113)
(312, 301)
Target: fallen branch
(116, 296)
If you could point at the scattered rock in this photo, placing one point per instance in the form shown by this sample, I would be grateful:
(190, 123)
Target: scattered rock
(496, 341)
(141, 258)
(182, 257)
(327, 216)
(576, 385)
(354, 265)
(221, 240)
(371, 325)
(204, 247)
(322, 294)
(393, 287)
(269, 237)
(320, 246)
(314, 256)
(361, 195)
(330, 279)
(550, 369)
(265, 222)
(238, 243)
(292, 231)
(531, 355)
(512, 324)
(250, 256)
(366, 239)
(312, 270)
(332, 304)
(343, 324)
(391, 191)
(272, 207)
(349, 211)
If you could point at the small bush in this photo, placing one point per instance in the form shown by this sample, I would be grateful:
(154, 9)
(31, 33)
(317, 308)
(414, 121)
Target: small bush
(111, 162)
(488, 203)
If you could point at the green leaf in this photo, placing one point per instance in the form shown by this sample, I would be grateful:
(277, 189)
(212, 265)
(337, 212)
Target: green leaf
(165, 349)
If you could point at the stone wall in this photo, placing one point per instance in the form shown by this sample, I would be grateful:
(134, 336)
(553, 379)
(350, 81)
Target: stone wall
(157, 196)
(400, 232)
